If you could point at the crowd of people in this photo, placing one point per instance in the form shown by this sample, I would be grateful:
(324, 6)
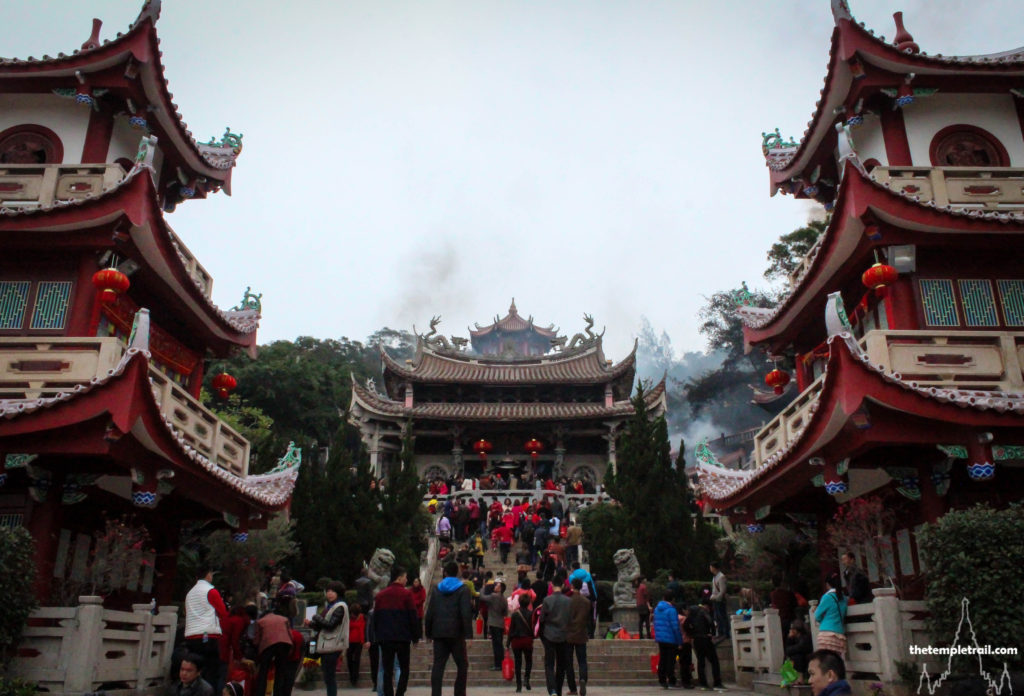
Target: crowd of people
(510, 481)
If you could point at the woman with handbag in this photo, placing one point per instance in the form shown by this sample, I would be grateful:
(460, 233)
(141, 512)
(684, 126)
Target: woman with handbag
(332, 626)
(520, 638)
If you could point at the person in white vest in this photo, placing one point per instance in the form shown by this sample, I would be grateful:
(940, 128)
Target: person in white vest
(204, 610)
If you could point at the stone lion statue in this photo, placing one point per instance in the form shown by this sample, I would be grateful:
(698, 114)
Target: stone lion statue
(379, 569)
(628, 568)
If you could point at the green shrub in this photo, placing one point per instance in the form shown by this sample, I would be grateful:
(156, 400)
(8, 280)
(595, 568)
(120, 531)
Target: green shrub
(17, 575)
(977, 554)
(17, 687)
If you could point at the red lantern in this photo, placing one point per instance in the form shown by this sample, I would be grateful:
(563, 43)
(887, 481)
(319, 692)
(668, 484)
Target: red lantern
(482, 447)
(878, 276)
(777, 379)
(534, 447)
(224, 384)
(111, 283)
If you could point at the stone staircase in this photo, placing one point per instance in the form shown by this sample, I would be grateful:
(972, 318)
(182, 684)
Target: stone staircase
(610, 662)
(769, 683)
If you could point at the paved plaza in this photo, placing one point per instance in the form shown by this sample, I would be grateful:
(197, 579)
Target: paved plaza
(538, 689)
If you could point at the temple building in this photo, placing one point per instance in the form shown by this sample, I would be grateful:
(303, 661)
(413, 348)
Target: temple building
(511, 399)
(903, 328)
(106, 321)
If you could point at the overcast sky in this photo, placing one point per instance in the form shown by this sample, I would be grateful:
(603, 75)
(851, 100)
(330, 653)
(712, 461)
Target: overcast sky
(404, 159)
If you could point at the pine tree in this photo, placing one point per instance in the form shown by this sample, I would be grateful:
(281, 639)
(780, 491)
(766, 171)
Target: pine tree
(654, 495)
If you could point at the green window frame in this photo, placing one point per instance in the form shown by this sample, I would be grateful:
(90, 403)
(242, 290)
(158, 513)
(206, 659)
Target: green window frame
(939, 302)
(13, 302)
(979, 302)
(1011, 299)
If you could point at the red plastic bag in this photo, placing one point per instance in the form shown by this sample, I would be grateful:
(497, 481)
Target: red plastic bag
(655, 658)
(480, 626)
(508, 668)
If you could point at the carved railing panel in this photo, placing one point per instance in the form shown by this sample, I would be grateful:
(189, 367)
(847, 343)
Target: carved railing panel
(990, 188)
(29, 185)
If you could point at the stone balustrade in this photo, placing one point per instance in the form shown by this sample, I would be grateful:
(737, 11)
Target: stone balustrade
(878, 634)
(988, 188)
(980, 360)
(31, 185)
(33, 368)
(195, 269)
(786, 427)
(77, 649)
(973, 360)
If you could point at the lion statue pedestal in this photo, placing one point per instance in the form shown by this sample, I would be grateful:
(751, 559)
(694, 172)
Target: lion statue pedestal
(624, 609)
(379, 569)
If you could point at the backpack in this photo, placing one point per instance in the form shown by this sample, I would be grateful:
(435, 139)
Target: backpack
(526, 528)
(247, 642)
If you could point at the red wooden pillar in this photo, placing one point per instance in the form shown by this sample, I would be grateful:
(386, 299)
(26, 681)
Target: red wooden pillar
(44, 525)
(900, 306)
(933, 506)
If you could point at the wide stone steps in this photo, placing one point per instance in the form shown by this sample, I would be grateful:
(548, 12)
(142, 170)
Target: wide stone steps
(610, 662)
(769, 684)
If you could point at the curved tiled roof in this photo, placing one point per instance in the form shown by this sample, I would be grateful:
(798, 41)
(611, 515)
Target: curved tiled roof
(852, 38)
(584, 367)
(244, 322)
(724, 484)
(216, 159)
(513, 322)
(517, 411)
(759, 318)
(271, 490)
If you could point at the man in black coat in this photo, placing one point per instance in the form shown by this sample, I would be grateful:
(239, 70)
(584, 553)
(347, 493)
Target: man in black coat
(448, 622)
(855, 582)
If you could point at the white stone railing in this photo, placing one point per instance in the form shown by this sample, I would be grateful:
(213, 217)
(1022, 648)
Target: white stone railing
(203, 430)
(76, 649)
(581, 500)
(757, 644)
(195, 269)
(798, 273)
(36, 367)
(30, 185)
(786, 427)
(878, 634)
(991, 188)
(982, 360)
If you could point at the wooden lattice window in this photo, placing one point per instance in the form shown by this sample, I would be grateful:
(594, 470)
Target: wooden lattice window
(34, 305)
(13, 300)
(939, 302)
(1011, 297)
(30, 144)
(979, 303)
(967, 146)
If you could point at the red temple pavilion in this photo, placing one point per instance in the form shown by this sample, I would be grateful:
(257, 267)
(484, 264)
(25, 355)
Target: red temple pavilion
(106, 318)
(512, 398)
(903, 328)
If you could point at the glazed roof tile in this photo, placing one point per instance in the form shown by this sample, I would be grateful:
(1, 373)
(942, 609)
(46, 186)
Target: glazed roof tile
(521, 411)
(785, 161)
(244, 322)
(215, 157)
(723, 484)
(271, 490)
(513, 322)
(761, 317)
(587, 366)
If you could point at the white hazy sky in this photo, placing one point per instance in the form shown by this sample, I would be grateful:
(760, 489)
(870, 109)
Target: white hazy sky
(404, 159)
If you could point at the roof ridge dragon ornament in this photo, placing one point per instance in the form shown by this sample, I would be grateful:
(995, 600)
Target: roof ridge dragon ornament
(439, 341)
(559, 342)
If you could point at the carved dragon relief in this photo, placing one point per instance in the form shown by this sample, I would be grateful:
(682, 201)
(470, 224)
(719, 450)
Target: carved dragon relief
(579, 339)
(440, 342)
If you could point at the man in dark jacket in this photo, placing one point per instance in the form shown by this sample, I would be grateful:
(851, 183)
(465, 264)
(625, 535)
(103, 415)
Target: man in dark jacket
(855, 582)
(449, 622)
(395, 626)
(576, 637)
(700, 626)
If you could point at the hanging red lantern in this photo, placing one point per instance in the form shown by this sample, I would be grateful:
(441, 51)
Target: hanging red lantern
(534, 447)
(777, 379)
(483, 448)
(224, 384)
(878, 276)
(111, 283)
